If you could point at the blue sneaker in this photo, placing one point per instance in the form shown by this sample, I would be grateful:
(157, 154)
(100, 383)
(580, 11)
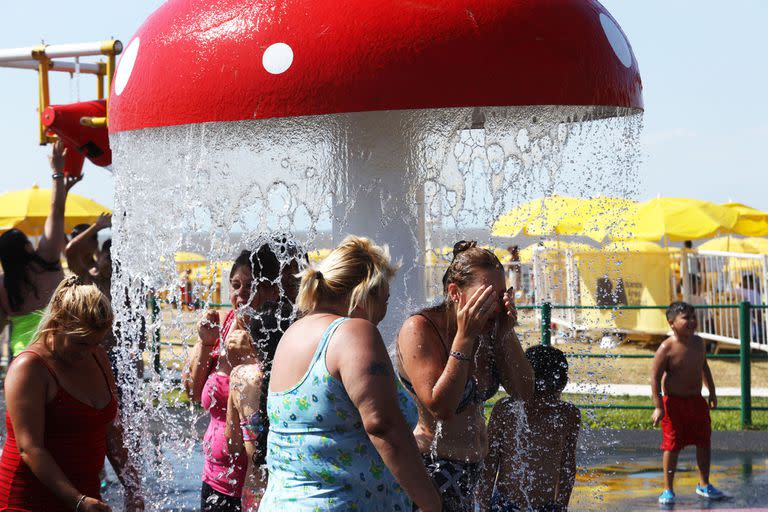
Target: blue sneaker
(710, 492)
(667, 497)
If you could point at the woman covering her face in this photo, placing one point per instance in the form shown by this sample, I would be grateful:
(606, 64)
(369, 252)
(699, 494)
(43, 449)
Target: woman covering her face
(452, 357)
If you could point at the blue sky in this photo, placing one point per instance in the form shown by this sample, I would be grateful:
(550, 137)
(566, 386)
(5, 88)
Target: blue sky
(703, 66)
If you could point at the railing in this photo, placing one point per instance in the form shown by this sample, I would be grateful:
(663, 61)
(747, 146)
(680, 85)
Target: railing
(745, 356)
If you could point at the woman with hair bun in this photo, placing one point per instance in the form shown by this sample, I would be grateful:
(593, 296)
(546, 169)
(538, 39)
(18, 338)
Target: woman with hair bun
(62, 409)
(452, 357)
(337, 439)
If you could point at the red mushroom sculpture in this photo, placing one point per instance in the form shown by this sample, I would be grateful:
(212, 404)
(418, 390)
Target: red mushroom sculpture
(364, 64)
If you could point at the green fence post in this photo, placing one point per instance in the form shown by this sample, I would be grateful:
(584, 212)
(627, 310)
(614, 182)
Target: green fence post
(745, 357)
(546, 324)
(155, 312)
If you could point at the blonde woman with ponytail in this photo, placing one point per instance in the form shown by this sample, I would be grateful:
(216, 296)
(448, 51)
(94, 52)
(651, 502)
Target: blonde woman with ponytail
(61, 411)
(337, 439)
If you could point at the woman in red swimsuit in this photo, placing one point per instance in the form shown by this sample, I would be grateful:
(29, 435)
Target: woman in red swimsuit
(61, 410)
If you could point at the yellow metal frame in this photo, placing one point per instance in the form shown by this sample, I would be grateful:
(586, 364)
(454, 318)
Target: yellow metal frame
(111, 49)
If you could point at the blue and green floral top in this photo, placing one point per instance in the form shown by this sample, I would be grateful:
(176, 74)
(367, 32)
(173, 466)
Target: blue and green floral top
(319, 456)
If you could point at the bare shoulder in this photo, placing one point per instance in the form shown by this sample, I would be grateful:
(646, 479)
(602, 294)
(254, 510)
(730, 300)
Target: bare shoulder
(414, 333)
(504, 405)
(418, 324)
(27, 371)
(362, 331)
(571, 413)
(666, 346)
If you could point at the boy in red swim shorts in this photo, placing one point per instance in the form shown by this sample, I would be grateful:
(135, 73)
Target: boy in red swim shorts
(679, 366)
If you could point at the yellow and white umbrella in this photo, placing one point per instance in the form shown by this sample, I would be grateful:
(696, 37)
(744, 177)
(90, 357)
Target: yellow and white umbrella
(733, 244)
(750, 222)
(27, 210)
(675, 219)
(561, 215)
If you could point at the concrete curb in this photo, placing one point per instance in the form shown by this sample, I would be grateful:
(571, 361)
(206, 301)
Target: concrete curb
(645, 390)
(731, 441)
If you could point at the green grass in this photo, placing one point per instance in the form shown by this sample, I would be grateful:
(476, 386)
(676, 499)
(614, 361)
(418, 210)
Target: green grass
(641, 419)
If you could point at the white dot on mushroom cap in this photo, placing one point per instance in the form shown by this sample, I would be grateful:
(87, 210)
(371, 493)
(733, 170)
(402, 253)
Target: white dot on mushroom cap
(277, 58)
(125, 67)
(617, 40)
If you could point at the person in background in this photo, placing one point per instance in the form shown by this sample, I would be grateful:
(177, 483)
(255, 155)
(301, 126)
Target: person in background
(515, 271)
(206, 377)
(536, 473)
(679, 366)
(84, 258)
(61, 412)
(338, 440)
(31, 275)
(247, 419)
(452, 357)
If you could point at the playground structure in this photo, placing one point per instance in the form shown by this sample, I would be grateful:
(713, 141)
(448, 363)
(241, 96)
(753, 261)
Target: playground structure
(81, 126)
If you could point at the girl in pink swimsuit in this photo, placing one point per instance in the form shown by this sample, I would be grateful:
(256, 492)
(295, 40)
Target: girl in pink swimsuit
(221, 348)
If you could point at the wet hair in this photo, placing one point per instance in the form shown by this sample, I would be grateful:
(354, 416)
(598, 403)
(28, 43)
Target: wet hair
(76, 309)
(353, 273)
(679, 308)
(16, 260)
(550, 368)
(79, 229)
(468, 258)
(270, 258)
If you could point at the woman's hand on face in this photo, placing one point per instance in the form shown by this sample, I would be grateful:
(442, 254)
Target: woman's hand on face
(509, 307)
(472, 318)
(93, 505)
(208, 328)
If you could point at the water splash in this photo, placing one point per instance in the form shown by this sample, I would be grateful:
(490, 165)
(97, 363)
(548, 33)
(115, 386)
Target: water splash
(217, 188)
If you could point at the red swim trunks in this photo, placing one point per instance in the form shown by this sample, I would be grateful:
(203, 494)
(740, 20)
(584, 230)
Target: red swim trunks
(686, 421)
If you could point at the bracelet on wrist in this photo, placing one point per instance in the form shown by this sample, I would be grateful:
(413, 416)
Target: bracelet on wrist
(459, 355)
(80, 501)
(57, 175)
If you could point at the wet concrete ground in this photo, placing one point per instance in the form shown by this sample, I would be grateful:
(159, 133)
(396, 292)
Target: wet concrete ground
(631, 479)
(614, 479)
(618, 471)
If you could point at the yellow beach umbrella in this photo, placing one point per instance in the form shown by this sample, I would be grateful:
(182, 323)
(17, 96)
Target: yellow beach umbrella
(541, 217)
(562, 215)
(750, 222)
(675, 219)
(526, 255)
(188, 257)
(632, 246)
(733, 244)
(318, 255)
(27, 210)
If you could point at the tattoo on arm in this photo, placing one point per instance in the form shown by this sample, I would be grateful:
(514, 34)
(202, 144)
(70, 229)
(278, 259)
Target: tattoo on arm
(378, 368)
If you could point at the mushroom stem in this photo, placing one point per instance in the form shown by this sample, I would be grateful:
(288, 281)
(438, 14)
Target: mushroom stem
(380, 196)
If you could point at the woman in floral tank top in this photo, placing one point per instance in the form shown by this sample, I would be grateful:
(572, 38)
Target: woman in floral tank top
(338, 440)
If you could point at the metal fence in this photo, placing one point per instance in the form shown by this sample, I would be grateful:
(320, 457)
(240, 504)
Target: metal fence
(697, 277)
(743, 311)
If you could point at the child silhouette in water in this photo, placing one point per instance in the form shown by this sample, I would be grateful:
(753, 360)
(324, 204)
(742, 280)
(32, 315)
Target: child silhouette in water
(678, 367)
(532, 467)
